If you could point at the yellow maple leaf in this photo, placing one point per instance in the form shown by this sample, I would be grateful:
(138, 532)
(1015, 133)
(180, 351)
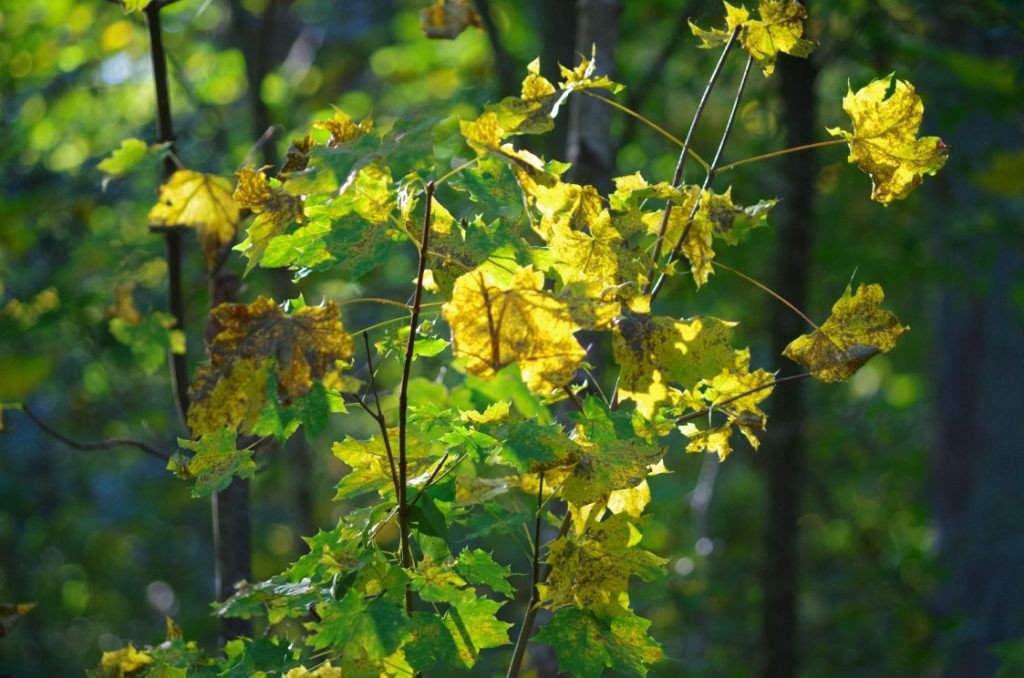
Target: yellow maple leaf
(275, 210)
(779, 29)
(496, 323)
(856, 331)
(310, 344)
(342, 128)
(445, 19)
(536, 85)
(884, 140)
(654, 351)
(122, 663)
(203, 202)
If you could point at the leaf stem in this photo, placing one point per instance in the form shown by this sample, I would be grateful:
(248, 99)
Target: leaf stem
(650, 123)
(784, 151)
(465, 165)
(770, 291)
(381, 422)
(373, 300)
(403, 393)
(712, 171)
(90, 446)
(677, 177)
(172, 237)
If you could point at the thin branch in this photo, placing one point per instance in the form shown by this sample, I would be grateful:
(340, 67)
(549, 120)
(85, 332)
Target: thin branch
(432, 477)
(574, 398)
(107, 444)
(381, 422)
(677, 250)
(707, 410)
(403, 393)
(372, 300)
(768, 290)
(785, 151)
(452, 173)
(172, 237)
(677, 177)
(519, 652)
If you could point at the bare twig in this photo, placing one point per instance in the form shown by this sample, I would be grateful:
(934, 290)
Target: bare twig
(707, 410)
(379, 417)
(107, 444)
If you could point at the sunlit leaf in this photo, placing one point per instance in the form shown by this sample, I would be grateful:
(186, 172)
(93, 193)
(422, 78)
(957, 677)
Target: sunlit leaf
(122, 663)
(495, 324)
(654, 351)
(886, 116)
(216, 460)
(779, 29)
(342, 129)
(203, 202)
(856, 331)
(275, 210)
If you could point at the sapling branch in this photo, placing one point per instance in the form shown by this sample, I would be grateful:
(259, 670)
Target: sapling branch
(712, 171)
(173, 236)
(707, 410)
(403, 393)
(109, 443)
(677, 177)
(381, 422)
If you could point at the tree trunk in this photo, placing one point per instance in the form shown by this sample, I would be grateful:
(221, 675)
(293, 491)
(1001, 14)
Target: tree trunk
(590, 148)
(784, 448)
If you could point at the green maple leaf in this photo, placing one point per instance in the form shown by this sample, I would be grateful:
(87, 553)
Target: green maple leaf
(586, 644)
(373, 628)
(478, 567)
(215, 462)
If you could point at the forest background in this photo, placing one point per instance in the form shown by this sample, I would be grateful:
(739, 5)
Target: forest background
(910, 532)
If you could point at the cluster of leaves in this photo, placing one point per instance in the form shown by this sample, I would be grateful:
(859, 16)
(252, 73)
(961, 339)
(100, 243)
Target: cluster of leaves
(521, 261)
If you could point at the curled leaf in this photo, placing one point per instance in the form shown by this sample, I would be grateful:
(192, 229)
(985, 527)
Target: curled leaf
(886, 116)
(856, 331)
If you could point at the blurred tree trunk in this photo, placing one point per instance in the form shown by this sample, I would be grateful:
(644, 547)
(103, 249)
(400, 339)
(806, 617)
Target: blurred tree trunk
(589, 146)
(556, 19)
(784, 448)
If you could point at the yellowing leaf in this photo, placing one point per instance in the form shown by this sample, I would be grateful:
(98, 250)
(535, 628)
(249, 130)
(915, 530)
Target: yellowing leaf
(135, 5)
(780, 29)
(131, 152)
(495, 324)
(203, 202)
(592, 569)
(308, 345)
(536, 85)
(582, 77)
(342, 128)
(856, 331)
(447, 18)
(122, 663)
(215, 462)
(654, 351)
(884, 140)
(371, 470)
(275, 211)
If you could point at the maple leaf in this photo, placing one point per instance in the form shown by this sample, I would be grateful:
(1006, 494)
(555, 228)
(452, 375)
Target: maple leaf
(310, 344)
(586, 643)
(215, 462)
(591, 570)
(884, 140)
(203, 202)
(780, 29)
(497, 323)
(653, 351)
(124, 158)
(371, 470)
(122, 663)
(135, 5)
(275, 211)
(856, 331)
(445, 19)
(342, 129)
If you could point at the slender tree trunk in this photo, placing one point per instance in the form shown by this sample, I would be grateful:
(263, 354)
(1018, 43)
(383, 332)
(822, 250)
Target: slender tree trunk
(784, 450)
(555, 20)
(590, 148)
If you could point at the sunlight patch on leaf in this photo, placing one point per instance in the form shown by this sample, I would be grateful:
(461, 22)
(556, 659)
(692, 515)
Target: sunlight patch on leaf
(200, 201)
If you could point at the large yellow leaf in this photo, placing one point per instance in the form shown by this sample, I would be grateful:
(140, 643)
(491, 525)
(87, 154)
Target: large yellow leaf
(203, 202)
(856, 331)
(780, 29)
(496, 323)
(308, 345)
(342, 128)
(886, 115)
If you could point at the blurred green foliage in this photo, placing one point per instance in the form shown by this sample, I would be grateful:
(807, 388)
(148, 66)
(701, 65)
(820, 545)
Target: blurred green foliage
(107, 542)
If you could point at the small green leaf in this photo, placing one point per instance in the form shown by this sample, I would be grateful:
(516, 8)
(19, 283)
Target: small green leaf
(586, 644)
(215, 462)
